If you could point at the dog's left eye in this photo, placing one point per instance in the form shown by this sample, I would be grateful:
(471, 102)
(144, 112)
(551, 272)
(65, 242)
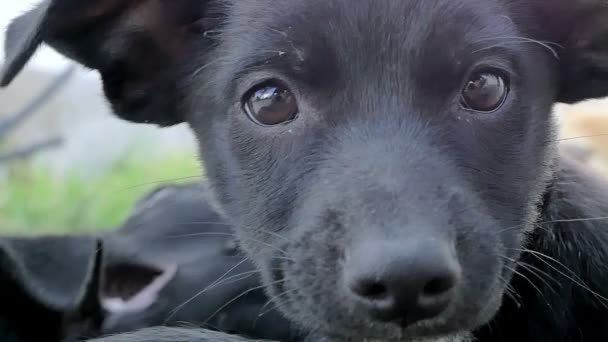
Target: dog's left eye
(485, 92)
(270, 104)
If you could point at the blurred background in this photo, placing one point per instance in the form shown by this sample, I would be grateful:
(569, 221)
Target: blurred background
(69, 164)
(66, 164)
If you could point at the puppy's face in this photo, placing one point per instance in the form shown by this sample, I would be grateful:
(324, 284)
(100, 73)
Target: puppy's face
(351, 136)
(382, 160)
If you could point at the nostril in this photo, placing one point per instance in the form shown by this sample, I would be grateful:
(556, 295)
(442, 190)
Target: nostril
(438, 286)
(371, 290)
(374, 290)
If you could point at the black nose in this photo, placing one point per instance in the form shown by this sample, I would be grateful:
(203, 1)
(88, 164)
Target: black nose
(403, 282)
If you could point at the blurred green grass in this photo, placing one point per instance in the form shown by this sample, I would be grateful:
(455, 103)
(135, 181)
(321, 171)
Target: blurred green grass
(33, 201)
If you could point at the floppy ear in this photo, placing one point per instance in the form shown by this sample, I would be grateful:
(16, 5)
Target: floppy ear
(49, 288)
(580, 30)
(141, 48)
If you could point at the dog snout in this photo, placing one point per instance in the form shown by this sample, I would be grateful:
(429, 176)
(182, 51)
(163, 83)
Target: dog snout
(402, 282)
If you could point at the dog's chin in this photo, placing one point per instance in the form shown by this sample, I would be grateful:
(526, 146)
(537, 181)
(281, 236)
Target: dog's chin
(372, 331)
(451, 328)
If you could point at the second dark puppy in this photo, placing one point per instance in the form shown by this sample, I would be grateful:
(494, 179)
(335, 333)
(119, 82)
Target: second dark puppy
(174, 262)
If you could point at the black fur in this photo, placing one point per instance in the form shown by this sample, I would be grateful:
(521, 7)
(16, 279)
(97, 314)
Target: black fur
(562, 293)
(382, 153)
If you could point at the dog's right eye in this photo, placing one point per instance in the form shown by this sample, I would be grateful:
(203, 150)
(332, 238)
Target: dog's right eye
(485, 92)
(270, 104)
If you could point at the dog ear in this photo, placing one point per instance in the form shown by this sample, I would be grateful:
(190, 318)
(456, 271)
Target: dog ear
(140, 48)
(578, 31)
(49, 288)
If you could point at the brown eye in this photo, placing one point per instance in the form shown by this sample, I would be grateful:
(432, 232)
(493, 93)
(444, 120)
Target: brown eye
(485, 92)
(270, 104)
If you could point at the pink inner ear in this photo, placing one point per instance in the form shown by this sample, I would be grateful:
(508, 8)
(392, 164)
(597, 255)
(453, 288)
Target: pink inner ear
(129, 288)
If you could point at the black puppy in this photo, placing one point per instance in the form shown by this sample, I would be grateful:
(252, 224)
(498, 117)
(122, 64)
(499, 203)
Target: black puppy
(386, 164)
(174, 262)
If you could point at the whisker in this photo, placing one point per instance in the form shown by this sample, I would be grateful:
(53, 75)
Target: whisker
(200, 234)
(540, 224)
(520, 225)
(511, 292)
(540, 257)
(590, 219)
(262, 312)
(220, 223)
(238, 277)
(234, 278)
(196, 295)
(282, 258)
(238, 297)
(574, 278)
(537, 272)
(515, 271)
(275, 307)
(226, 273)
(274, 298)
(533, 270)
(520, 40)
(202, 68)
(228, 234)
(579, 137)
(157, 182)
(275, 235)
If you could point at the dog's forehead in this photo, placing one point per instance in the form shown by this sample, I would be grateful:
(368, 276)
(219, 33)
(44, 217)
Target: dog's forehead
(367, 23)
(325, 37)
